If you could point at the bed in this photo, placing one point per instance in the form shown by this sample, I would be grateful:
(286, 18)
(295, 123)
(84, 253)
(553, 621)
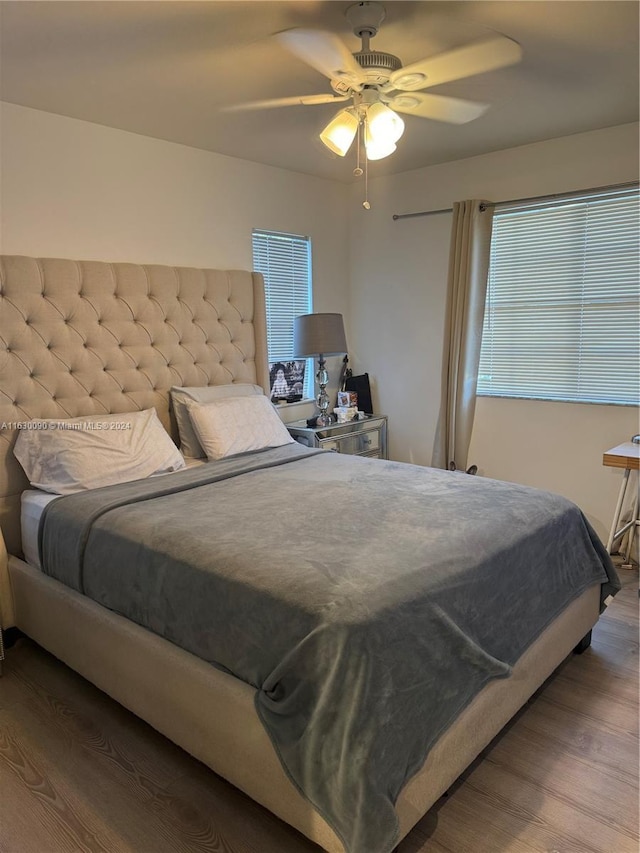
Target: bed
(90, 338)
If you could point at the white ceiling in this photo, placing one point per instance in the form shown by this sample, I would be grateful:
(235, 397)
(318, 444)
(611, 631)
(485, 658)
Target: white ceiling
(164, 69)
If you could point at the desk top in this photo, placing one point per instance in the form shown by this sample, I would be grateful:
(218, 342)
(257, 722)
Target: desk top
(626, 455)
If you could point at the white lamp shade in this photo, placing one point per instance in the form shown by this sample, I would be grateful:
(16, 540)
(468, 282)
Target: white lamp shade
(318, 334)
(340, 132)
(384, 125)
(376, 150)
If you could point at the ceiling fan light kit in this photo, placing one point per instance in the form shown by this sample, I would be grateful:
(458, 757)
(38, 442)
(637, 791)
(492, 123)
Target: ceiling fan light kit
(377, 83)
(382, 128)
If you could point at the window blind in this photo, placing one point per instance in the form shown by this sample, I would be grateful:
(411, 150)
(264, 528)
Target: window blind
(285, 263)
(562, 319)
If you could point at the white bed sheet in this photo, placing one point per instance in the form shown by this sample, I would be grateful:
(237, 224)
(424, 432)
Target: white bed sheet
(33, 502)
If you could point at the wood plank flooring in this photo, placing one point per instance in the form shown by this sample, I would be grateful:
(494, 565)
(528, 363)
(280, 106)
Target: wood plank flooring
(79, 773)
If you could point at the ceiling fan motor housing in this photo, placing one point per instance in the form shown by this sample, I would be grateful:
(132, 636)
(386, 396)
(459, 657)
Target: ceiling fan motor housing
(378, 61)
(378, 68)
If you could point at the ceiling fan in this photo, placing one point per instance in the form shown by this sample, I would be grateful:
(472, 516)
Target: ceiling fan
(379, 87)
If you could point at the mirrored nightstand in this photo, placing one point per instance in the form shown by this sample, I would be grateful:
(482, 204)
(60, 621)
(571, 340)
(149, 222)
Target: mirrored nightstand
(364, 437)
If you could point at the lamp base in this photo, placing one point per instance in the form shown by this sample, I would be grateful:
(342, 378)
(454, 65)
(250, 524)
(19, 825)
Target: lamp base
(322, 399)
(324, 420)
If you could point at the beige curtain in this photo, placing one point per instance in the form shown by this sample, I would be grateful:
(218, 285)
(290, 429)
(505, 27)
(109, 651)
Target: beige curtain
(466, 293)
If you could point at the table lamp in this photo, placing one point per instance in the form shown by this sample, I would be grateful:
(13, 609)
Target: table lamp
(319, 335)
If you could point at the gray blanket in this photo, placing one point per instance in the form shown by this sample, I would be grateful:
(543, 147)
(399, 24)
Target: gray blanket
(367, 602)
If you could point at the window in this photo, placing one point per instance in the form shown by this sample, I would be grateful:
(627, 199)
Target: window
(285, 262)
(562, 316)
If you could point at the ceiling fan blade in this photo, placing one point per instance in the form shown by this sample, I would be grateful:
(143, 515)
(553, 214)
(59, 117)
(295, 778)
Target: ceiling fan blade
(487, 55)
(437, 107)
(294, 100)
(323, 51)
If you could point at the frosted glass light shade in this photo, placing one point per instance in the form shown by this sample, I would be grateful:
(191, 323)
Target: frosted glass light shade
(384, 125)
(383, 128)
(340, 132)
(377, 151)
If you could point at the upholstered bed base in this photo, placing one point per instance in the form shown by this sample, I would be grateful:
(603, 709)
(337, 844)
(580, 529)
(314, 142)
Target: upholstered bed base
(212, 716)
(87, 337)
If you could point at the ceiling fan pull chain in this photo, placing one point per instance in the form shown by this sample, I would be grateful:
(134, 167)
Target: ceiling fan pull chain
(357, 172)
(365, 203)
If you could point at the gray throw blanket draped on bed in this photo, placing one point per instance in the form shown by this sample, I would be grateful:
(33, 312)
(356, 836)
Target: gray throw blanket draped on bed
(368, 602)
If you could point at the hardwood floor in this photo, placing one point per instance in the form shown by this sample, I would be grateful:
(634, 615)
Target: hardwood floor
(79, 773)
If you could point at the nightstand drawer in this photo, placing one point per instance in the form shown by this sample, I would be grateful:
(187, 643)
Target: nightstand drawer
(355, 444)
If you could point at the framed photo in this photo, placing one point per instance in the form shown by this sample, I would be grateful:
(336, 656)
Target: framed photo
(347, 399)
(286, 380)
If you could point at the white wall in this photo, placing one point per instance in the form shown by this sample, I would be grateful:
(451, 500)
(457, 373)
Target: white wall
(398, 288)
(73, 189)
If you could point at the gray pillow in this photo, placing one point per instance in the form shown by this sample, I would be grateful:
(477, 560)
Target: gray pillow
(189, 443)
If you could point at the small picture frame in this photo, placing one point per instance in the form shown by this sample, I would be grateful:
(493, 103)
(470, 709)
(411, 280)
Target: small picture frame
(347, 399)
(286, 380)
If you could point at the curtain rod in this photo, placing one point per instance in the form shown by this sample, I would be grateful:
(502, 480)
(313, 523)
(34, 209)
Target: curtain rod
(521, 200)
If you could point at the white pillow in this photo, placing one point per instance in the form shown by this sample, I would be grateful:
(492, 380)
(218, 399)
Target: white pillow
(237, 425)
(180, 397)
(66, 456)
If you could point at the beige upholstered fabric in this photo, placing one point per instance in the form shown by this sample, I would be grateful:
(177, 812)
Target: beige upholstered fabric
(89, 338)
(7, 615)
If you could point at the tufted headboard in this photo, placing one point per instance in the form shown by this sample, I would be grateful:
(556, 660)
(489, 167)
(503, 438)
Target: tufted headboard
(87, 337)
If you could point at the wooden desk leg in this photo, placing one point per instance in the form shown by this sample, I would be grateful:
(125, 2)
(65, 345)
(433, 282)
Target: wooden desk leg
(616, 515)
